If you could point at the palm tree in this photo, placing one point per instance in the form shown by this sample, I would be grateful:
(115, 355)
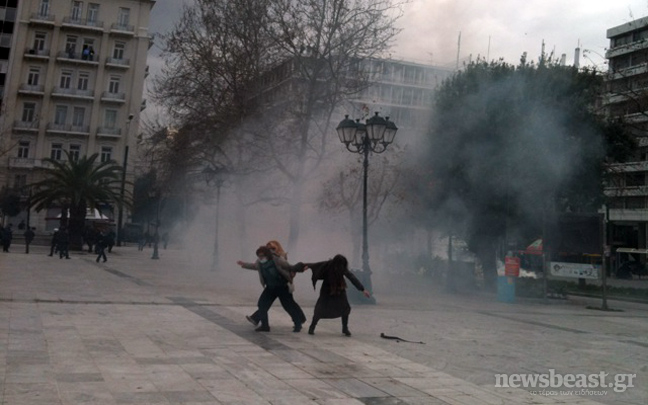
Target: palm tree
(77, 185)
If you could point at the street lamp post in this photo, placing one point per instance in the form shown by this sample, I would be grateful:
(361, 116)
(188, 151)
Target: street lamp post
(120, 214)
(217, 175)
(374, 136)
(156, 238)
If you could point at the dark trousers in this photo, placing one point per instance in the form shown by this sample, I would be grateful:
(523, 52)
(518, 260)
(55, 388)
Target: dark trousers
(101, 251)
(288, 307)
(267, 298)
(63, 250)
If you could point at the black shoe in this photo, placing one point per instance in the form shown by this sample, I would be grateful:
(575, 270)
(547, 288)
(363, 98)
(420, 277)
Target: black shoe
(311, 330)
(262, 329)
(251, 320)
(346, 332)
(297, 328)
(105, 261)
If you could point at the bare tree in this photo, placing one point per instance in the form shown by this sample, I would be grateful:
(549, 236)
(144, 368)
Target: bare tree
(258, 81)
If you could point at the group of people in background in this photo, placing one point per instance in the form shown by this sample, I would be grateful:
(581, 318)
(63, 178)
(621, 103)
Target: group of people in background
(276, 276)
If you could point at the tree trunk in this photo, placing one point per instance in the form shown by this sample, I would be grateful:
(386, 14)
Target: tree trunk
(295, 215)
(76, 226)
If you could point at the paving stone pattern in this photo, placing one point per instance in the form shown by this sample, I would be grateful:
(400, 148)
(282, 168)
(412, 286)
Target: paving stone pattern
(137, 331)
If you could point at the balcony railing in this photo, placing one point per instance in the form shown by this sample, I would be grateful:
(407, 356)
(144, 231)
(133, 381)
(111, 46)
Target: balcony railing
(73, 93)
(24, 163)
(37, 53)
(115, 97)
(31, 89)
(68, 129)
(116, 62)
(639, 191)
(117, 28)
(628, 167)
(30, 126)
(110, 132)
(76, 57)
(83, 23)
(43, 18)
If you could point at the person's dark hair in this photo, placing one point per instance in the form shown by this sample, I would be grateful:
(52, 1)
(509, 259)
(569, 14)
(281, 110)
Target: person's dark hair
(339, 265)
(265, 251)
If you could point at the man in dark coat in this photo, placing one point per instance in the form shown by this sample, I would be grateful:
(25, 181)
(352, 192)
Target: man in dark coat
(63, 243)
(54, 242)
(102, 242)
(29, 238)
(7, 236)
(332, 301)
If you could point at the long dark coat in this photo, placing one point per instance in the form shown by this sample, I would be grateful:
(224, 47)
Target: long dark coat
(331, 305)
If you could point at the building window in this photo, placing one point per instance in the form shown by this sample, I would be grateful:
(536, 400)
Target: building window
(29, 112)
(39, 41)
(106, 153)
(93, 12)
(78, 116)
(66, 79)
(110, 119)
(43, 10)
(113, 85)
(82, 83)
(33, 77)
(23, 149)
(71, 45)
(60, 116)
(75, 152)
(124, 17)
(118, 50)
(77, 10)
(20, 181)
(56, 153)
(5, 40)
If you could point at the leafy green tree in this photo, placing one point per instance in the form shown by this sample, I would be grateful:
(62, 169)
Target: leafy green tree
(75, 186)
(511, 146)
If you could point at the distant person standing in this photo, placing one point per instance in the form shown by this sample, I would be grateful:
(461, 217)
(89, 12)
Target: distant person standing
(54, 242)
(102, 242)
(110, 240)
(165, 240)
(29, 238)
(63, 243)
(7, 236)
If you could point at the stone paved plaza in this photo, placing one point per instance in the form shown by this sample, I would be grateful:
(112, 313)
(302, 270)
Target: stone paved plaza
(169, 331)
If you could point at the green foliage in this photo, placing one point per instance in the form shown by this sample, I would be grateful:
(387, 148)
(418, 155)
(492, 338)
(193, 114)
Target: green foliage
(78, 185)
(9, 203)
(510, 145)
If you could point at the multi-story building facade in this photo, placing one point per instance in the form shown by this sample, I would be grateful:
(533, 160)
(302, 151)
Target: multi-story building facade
(8, 13)
(76, 78)
(627, 97)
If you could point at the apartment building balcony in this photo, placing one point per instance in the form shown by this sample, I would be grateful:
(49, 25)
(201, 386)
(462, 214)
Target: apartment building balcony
(629, 167)
(87, 95)
(43, 19)
(76, 58)
(122, 29)
(626, 48)
(628, 214)
(26, 126)
(147, 71)
(31, 90)
(38, 54)
(22, 163)
(629, 71)
(638, 191)
(118, 63)
(108, 97)
(109, 132)
(143, 105)
(67, 129)
(636, 118)
(82, 24)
